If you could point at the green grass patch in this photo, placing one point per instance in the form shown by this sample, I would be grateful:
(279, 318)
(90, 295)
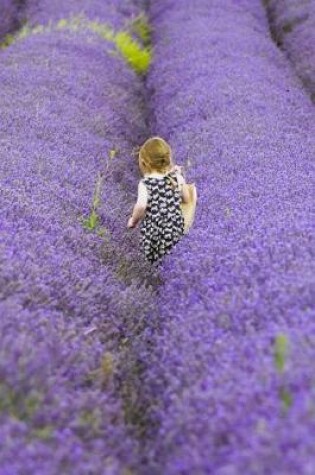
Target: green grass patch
(135, 55)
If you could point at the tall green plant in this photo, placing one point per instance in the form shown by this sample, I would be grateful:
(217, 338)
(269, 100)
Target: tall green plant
(92, 221)
(281, 351)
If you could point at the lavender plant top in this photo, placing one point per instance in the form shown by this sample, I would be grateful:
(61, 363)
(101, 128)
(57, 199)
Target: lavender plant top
(66, 310)
(116, 13)
(227, 100)
(293, 26)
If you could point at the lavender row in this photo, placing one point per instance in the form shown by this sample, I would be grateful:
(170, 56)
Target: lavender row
(293, 27)
(67, 302)
(235, 115)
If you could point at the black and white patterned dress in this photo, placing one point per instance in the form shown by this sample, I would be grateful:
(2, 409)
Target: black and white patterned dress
(163, 224)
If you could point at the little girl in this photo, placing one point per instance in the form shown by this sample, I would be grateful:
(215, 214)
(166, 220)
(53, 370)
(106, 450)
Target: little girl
(160, 194)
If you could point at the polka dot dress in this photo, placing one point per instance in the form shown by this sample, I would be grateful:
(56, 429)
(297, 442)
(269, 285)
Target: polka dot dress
(163, 224)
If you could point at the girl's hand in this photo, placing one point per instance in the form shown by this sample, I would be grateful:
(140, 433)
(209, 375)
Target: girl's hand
(137, 214)
(177, 169)
(130, 223)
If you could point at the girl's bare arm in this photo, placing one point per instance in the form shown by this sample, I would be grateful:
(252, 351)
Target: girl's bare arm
(185, 194)
(139, 208)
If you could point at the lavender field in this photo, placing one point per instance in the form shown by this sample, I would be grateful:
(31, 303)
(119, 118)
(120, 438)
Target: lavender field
(203, 365)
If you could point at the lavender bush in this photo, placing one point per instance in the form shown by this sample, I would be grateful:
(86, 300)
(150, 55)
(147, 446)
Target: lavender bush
(70, 111)
(293, 27)
(227, 100)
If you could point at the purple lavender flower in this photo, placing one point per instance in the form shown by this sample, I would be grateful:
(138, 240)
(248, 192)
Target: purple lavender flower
(8, 17)
(113, 12)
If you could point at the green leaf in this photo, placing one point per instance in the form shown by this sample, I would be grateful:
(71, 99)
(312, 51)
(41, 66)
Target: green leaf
(92, 221)
(43, 433)
(286, 398)
(280, 352)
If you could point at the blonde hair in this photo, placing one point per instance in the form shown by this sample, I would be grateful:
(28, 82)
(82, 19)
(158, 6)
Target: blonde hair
(155, 155)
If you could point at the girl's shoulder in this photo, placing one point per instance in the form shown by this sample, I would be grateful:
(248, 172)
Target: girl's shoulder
(154, 175)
